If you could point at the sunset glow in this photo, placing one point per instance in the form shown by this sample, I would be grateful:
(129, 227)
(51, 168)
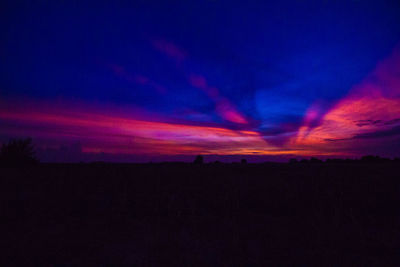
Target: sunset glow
(145, 83)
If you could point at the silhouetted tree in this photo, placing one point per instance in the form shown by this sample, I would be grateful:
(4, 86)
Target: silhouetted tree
(199, 159)
(371, 159)
(18, 152)
(243, 161)
(293, 161)
(315, 160)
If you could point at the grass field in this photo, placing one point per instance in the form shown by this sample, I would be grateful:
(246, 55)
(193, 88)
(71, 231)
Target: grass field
(201, 215)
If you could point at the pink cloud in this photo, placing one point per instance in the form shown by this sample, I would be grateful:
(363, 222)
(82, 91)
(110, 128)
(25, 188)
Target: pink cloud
(229, 112)
(223, 106)
(141, 79)
(198, 81)
(371, 106)
(118, 70)
(137, 78)
(122, 133)
(170, 49)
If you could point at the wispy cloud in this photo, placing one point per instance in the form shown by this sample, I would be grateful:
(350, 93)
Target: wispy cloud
(137, 78)
(369, 111)
(170, 49)
(223, 106)
(129, 133)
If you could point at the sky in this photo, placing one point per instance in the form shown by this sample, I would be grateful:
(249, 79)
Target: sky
(151, 80)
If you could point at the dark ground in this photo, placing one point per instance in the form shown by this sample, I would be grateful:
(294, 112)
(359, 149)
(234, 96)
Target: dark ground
(208, 215)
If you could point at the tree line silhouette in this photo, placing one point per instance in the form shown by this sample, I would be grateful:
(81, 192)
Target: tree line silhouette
(22, 152)
(363, 159)
(18, 152)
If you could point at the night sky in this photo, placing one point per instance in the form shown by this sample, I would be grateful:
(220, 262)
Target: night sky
(151, 80)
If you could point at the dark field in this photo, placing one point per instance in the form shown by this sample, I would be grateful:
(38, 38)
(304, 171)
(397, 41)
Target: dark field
(207, 215)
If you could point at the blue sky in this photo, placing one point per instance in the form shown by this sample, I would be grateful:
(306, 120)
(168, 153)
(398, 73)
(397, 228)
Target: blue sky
(269, 61)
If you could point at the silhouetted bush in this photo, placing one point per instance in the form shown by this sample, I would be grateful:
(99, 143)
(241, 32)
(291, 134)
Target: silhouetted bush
(292, 161)
(18, 152)
(243, 161)
(199, 160)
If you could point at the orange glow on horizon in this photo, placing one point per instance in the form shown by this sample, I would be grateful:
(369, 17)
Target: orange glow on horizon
(115, 134)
